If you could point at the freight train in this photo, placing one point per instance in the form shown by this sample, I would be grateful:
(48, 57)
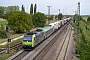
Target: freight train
(32, 39)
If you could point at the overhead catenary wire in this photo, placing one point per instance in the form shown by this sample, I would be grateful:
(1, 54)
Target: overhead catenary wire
(70, 6)
(65, 8)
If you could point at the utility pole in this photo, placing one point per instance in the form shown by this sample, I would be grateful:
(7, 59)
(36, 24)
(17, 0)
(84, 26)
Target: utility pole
(78, 29)
(58, 10)
(49, 14)
(79, 26)
(58, 13)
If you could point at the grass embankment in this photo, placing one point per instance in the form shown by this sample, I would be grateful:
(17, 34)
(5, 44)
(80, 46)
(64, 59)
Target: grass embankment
(12, 36)
(84, 42)
(3, 57)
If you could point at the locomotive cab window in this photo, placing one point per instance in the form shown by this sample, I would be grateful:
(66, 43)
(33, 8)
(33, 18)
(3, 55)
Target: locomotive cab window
(27, 39)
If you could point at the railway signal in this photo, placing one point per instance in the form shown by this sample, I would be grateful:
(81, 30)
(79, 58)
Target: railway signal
(8, 40)
(7, 28)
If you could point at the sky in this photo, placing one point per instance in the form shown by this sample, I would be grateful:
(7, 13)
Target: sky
(66, 6)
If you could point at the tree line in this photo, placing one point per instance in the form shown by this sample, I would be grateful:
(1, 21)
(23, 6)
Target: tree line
(4, 10)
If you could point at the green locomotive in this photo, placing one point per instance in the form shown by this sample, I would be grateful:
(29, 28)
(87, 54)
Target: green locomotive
(33, 38)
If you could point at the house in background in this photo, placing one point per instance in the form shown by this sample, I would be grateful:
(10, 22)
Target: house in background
(3, 22)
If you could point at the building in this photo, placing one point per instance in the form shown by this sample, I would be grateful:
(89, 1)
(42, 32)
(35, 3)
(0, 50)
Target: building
(3, 22)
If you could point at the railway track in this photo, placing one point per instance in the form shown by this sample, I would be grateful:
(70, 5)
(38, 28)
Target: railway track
(63, 50)
(52, 52)
(15, 47)
(21, 55)
(47, 50)
(42, 48)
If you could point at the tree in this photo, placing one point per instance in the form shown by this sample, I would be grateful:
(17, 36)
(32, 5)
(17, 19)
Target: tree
(38, 19)
(23, 8)
(20, 21)
(1, 11)
(31, 9)
(35, 8)
(5, 16)
(75, 18)
(60, 16)
(88, 18)
(8, 10)
(51, 17)
(11, 8)
(55, 16)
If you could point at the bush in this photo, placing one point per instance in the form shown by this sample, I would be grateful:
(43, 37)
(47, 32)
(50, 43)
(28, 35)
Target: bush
(88, 18)
(2, 32)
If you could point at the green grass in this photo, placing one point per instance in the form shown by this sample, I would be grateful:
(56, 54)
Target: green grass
(11, 43)
(5, 40)
(5, 56)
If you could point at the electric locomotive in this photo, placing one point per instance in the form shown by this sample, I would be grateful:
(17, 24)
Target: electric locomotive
(31, 39)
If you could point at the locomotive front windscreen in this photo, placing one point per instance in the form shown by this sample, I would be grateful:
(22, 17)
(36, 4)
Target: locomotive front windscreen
(27, 39)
